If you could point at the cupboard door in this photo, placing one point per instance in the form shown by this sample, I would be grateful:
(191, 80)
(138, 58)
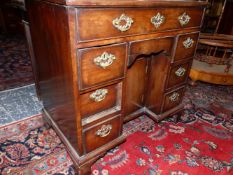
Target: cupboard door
(135, 86)
(157, 75)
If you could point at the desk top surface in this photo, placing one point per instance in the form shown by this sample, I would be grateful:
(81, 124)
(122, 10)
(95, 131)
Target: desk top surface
(130, 3)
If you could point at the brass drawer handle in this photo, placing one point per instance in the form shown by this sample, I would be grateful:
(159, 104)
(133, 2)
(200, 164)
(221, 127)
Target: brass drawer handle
(99, 95)
(174, 97)
(184, 19)
(180, 72)
(104, 60)
(157, 20)
(104, 130)
(188, 43)
(123, 23)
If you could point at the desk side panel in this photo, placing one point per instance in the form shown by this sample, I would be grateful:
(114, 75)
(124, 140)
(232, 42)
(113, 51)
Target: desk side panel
(50, 38)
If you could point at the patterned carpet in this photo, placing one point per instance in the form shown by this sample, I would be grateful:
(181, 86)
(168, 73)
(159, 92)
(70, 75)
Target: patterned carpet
(29, 147)
(199, 143)
(15, 65)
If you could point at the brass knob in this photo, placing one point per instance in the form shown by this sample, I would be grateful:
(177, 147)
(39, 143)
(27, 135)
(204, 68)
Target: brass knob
(184, 19)
(104, 60)
(123, 23)
(99, 95)
(104, 130)
(180, 72)
(188, 43)
(157, 20)
(174, 97)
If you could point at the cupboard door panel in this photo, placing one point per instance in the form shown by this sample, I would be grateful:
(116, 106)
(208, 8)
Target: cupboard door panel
(158, 71)
(135, 86)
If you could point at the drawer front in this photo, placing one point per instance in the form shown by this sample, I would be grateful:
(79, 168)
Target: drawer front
(186, 46)
(178, 74)
(151, 45)
(101, 133)
(100, 100)
(172, 99)
(101, 64)
(93, 24)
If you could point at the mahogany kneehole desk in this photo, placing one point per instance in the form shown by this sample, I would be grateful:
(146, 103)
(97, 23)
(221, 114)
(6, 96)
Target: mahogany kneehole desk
(100, 63)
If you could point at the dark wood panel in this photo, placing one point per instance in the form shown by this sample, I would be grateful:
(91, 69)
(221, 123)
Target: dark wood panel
(101, 21)
(54, 65)
(226, 25)
(91, 74)
(32, 57)
(11, 19)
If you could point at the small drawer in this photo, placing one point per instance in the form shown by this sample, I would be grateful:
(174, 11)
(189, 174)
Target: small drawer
(100, 100)
(173, 99)
(101, 133)
(101, 64)
(186, 46)
(94, 24)
(178, 74)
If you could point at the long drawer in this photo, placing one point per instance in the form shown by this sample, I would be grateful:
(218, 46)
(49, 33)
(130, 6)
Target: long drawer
(94, 24)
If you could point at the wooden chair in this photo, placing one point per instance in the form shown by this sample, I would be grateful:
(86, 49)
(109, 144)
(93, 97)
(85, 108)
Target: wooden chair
(213, 60)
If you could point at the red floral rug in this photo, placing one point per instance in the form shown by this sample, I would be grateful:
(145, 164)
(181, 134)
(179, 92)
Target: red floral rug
(171, 148)
(200, 142)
